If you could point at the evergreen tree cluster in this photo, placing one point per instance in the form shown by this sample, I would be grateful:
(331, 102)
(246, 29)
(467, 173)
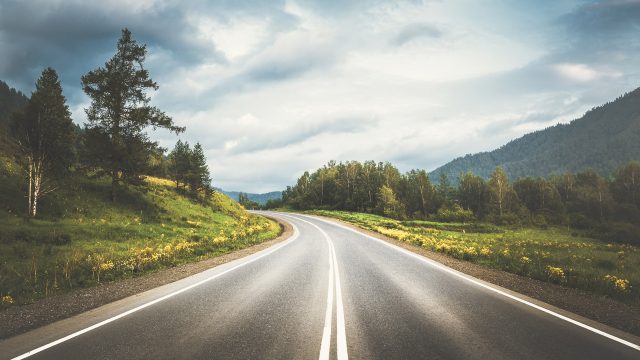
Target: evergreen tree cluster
(41, 134)
(608, 207)
(188, 168)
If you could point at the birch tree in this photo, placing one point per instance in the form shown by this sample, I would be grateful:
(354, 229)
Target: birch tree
(45, 134)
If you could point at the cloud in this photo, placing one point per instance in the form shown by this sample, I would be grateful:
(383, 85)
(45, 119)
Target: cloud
(416, 31)
(582, 72)
(274, 88)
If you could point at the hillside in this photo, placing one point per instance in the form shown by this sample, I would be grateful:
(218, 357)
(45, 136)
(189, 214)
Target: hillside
(81, 238)
(603, 139)
(259, 198)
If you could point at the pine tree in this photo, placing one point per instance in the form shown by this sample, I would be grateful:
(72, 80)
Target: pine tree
(180, 163)
(198, 174)
(45, 133)
(120, 112)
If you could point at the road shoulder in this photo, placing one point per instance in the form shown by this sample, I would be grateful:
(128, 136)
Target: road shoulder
(21, 319)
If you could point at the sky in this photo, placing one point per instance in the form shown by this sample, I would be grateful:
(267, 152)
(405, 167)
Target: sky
(273, 88)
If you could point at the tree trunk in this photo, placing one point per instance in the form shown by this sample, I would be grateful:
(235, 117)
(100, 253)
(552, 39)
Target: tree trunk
(30, 191)
(36, 181)
(114, 185)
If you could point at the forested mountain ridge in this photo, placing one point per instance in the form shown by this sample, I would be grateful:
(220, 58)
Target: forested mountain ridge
(10, 101)
(258, 198)
(603, 139)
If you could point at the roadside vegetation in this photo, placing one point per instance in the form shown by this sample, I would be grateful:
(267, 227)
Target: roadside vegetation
(84, 205)
(578, 230)
(552, 254)
(83, 239)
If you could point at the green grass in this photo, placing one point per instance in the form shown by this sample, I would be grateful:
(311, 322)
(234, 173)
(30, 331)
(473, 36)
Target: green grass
(554, 254)
(82, 238)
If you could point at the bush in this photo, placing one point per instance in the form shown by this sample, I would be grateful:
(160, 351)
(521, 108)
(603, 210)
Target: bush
(619, 232)
(454, 213)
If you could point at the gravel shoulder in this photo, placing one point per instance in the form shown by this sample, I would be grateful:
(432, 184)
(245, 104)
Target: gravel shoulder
(594, 307)
(20, 319)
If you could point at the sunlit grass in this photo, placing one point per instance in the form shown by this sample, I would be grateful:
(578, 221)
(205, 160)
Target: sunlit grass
(554, 254)
(92, 240)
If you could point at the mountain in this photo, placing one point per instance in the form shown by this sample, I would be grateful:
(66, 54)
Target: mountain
(603, 139)
(259, 198)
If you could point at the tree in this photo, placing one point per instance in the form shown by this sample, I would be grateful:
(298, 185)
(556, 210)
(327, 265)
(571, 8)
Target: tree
(472, 193)
(626, 186)
(198, 176)
(179, 163)
(120, 112)
(444, 190)
(45, 133)
(390, 205)
(500, 190)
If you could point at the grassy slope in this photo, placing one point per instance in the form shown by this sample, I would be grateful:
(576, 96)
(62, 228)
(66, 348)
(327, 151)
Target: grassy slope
(553, 254)
(82, 238)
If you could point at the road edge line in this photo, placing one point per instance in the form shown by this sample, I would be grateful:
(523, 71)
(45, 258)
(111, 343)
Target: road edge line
(486, 286)
(155, 301)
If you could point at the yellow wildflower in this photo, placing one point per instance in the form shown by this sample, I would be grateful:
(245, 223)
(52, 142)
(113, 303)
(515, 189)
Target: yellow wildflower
(7, 300)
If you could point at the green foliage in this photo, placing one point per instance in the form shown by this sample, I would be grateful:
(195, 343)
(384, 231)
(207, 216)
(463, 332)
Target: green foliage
(243, 199)
(189, 168)
(454, 213)
(120, 112)
(45, 134)
(583, 201)
(95, 240)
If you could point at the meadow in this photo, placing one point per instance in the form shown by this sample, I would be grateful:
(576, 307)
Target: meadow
(551, 254)
(83, 239)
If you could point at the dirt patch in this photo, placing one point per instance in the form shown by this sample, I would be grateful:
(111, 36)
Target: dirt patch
(20, 319)
(595, 307)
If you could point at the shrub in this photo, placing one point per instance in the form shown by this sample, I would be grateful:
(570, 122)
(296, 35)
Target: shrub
(454, 213)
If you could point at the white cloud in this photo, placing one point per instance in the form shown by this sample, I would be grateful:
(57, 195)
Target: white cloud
(583, 72)
(275, 88)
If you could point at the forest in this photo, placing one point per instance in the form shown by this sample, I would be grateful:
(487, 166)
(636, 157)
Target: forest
(606, 208)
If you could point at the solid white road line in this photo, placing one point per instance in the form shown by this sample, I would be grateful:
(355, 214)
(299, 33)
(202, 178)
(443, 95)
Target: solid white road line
(165, 297)
(341, 333)
(341, 336)
(476, 282)
(326, 333)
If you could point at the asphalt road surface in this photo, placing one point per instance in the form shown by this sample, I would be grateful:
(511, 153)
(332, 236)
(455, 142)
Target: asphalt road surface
(328, 292)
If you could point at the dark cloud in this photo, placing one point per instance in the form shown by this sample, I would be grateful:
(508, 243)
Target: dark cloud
(416, 31)
(74, 37)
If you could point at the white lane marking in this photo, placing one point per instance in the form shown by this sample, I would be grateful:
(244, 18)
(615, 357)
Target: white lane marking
(341, 336)
(470, 279)
(341, 333)
(165, 297)
(326, 334)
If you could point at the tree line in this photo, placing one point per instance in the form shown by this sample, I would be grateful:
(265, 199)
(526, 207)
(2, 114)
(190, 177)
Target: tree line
(585, 200)
(114, 142)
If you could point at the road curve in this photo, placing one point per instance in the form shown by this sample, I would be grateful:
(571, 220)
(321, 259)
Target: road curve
(328, 292)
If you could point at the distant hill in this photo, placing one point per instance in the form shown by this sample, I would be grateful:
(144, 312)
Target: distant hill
(603, 139)
(10, 101)
(259, 198)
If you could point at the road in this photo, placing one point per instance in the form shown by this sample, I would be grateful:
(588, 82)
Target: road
(327, 292)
